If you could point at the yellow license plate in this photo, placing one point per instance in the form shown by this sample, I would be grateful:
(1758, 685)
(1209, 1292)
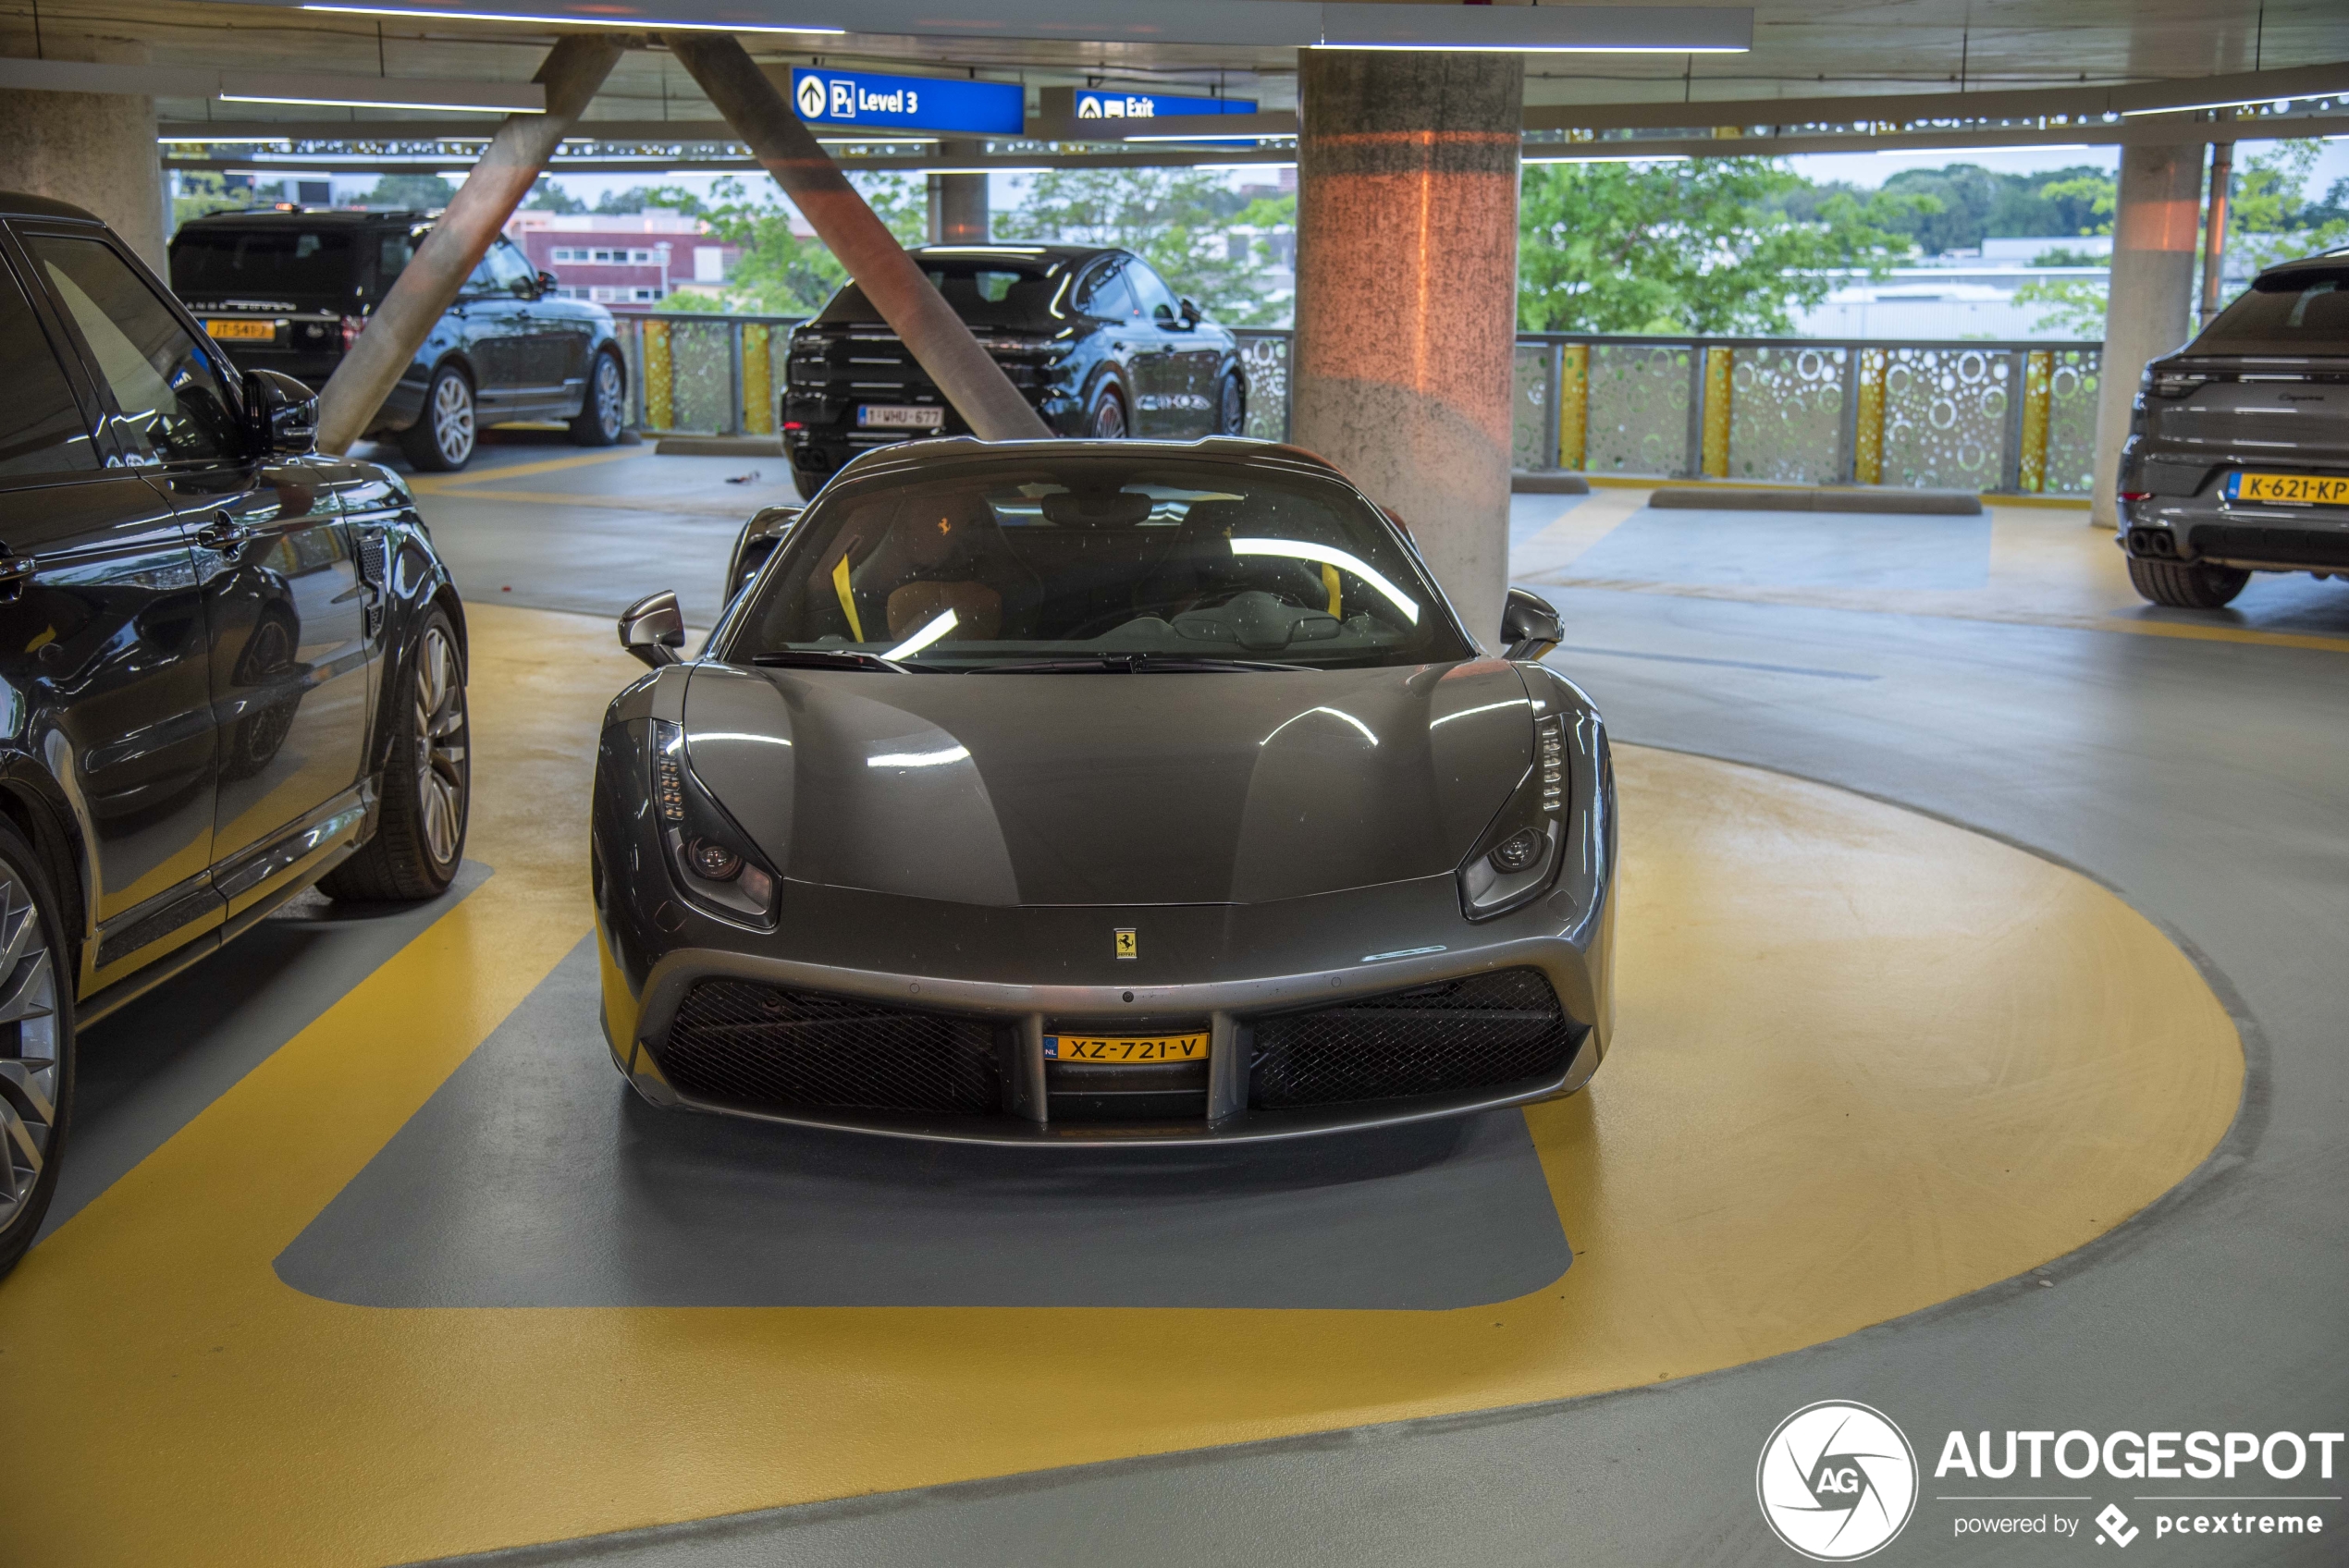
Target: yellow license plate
(1116, 1049)
(2293, 489)
(251, 331)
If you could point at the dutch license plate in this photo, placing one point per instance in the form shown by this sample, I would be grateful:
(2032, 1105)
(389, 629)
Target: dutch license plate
(248, 331)
(1124, 1048)
(2290, 489)
(900, 416)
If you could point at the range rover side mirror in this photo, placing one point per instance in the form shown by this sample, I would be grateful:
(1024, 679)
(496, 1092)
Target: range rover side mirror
(1529, 627)
(1192, 314)
(548, 284)
(653, 629)
(284, 414)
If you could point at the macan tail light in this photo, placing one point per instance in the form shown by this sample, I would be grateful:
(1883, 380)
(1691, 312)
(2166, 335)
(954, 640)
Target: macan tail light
(1519, 857)
(711, 859)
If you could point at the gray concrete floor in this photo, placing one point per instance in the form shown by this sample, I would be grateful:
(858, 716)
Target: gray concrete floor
(2207, 782)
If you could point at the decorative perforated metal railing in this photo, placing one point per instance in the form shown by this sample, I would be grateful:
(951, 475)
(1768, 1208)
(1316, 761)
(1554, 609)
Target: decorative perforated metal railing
(1995, 416)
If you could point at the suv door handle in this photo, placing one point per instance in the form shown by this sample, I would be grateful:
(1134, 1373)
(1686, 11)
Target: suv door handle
(223, 532)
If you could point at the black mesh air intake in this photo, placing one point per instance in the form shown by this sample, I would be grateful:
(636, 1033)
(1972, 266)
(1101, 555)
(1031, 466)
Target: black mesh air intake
(1454, 1034)
(762, 1046)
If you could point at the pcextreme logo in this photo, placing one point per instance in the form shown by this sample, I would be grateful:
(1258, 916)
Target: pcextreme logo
(1837, 1481)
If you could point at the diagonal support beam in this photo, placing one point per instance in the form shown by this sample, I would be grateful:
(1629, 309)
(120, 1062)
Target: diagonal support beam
(924, 322)
(517, 154)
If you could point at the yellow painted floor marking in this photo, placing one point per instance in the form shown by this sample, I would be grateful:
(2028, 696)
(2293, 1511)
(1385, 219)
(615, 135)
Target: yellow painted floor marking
(429, 482)
(1865, 1061)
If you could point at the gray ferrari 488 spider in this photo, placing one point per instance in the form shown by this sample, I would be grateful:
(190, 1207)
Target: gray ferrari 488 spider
(1099, 791)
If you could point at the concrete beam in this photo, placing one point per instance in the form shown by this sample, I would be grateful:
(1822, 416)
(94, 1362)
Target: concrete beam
(1407, 295)
(924, 322)
(2148, 311)
(517, 154)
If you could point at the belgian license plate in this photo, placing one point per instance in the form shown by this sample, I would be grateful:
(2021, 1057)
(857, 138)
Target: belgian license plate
(1116, 1049)
(900, 416)
(246, 331)
(2290, 489)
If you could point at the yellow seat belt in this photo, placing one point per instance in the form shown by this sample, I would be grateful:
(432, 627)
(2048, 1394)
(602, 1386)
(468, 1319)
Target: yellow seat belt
(848, 598)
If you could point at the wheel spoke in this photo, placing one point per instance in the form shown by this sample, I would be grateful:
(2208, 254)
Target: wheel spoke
(27, 994)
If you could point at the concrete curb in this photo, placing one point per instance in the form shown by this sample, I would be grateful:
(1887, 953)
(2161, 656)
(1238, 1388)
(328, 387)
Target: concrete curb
(1805, 498)
(719, 447)
(1522, 482)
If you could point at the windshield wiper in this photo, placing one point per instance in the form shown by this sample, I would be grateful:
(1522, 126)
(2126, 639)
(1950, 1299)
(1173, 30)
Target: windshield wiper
(1132, 663)
(836, 659)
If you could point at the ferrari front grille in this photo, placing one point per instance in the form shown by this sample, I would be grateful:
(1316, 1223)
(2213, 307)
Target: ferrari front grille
(763, 1047)
(1477, 1032)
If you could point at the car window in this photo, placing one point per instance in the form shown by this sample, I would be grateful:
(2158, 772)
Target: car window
(2299, 312)
(1150, 292)
(394, 250)
(1021, 294)
(173, 407)
(964, 566)
(296, 266)
(503, 270)
(40, 426)
(1105, 297)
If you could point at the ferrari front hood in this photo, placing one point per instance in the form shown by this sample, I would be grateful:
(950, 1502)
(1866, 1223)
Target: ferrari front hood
(1111, 788)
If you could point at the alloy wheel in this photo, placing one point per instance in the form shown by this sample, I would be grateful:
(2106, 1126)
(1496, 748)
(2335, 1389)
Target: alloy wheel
(29, 1055)
(608, 391)
(452, 420)
(1234, 409)
(1109, 419)
(440, 747)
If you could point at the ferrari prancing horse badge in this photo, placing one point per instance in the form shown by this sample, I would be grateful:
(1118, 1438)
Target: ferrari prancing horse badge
(1125, 949)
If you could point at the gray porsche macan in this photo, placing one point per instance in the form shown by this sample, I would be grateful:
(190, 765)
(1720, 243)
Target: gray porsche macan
(1099, 791)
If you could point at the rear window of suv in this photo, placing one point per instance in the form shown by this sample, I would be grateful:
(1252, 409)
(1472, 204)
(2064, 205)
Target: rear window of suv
(301, 265)
(996, 291)
(2298, 313)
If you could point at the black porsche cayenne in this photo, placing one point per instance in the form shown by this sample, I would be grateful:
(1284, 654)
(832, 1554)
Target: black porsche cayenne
(1094, 337)
(231, 669)
(2237, 458)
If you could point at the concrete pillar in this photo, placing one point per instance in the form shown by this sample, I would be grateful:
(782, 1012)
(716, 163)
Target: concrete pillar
(924, 322)
(2150, 310)
(95, 149)
(958, 202)
(1407, 170)
(429, 283)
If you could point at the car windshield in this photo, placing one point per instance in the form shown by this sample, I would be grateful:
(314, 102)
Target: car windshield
(2300, 313)
(1096, 563)
(265, 263)
(1005, 290)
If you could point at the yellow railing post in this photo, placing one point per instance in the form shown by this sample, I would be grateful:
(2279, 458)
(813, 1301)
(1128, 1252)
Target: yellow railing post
(758, 380)
(2038, 372)
(1867, 446)
(1715, 458)
(661, 412)
(1574, 405)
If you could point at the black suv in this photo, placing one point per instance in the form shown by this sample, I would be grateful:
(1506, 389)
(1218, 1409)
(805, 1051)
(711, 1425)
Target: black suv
(1095, 338)
(288, 292)
(229, 670)
(2237, 458)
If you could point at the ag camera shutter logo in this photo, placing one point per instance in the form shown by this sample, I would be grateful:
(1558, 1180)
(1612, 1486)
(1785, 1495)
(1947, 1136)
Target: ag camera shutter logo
(811, 97)
(1837, 1481)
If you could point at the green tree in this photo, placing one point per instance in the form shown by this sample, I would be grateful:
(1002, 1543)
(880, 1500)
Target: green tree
(202, 192)
(2271, 219)
(547, 197)
(1181, 221)
(1689, 247)
(779, 272)
(424, 193)
(1964, 197)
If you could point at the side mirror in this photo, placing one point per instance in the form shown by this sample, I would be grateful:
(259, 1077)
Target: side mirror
(284, 414)
(1192, 314)
(1529, 626)
(654, 628)
(761, 537)
(548, 284)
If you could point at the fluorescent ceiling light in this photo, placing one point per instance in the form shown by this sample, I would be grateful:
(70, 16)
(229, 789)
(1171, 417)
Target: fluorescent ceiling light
(224, 141)
(1606, 158)
(1545, 48)
(993, 168)
(1945, 151)
(1250, 137)
(353, 102)
(638, 24)
(2281, 104)
(1242, 168)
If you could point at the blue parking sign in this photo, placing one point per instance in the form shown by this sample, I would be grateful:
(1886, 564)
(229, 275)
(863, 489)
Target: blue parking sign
(863, 100)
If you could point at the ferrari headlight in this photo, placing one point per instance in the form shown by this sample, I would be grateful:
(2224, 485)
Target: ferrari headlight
(1518, 858)
(714, 867)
